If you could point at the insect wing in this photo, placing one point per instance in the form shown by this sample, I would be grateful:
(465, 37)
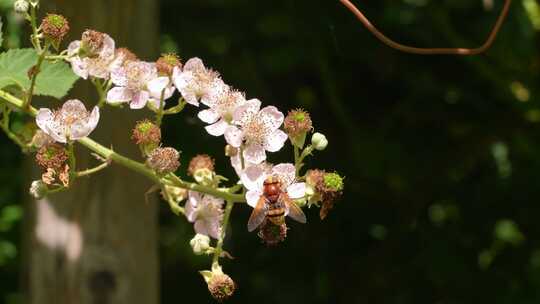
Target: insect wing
(293, 210)
(258, 214)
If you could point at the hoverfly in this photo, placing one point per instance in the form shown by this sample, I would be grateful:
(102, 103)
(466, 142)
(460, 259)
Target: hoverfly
(274, 204)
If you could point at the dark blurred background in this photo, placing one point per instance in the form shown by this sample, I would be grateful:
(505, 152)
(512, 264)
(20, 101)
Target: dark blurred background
(440, 153)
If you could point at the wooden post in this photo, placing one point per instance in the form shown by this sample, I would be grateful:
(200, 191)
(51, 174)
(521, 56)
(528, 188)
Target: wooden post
(97, 243)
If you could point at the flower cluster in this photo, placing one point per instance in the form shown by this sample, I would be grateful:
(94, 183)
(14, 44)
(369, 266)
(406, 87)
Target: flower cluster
(250, 132)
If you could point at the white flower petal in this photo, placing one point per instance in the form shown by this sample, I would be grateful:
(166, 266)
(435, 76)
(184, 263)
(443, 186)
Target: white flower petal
(252, 197)
(286, 173)
(45, 121)
(275, 141)
(271, 117)
(234, 136)
(157, 85)
(139, 100)
(254, 153)
(194, 64)
(201, 228)
(209, 116)
(73, 106)
(118, 95)
(244, 112)
(119, 77)
(218, 128)
(253, 177)
(296, 190)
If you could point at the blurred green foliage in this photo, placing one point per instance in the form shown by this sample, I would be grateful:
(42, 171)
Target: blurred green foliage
(441, 153)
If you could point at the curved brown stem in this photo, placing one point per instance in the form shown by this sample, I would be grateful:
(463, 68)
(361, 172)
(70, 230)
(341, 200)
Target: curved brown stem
(430, 51)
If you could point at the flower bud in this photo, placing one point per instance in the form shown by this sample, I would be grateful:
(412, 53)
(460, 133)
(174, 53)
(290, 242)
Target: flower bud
(200, 244)
(21, 6)
(55, 27)
(51, 156)
(297, 124)
(330, 188)
(319, 141)
(177, 194)
(164, 160)
(272, 234)
(201, 167)
(38, 189)
(166, 63)
(147, 135)
(221, 287)
(91, 43)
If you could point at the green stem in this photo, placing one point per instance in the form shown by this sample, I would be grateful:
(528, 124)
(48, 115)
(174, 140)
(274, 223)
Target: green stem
(219, 247)
(35, 35)
(297, 162)
(92, 170)
(5, 126)
(36, 71)
(129, 163)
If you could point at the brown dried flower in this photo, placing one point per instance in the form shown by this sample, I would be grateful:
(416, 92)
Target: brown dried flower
(221, 287)
(51, 156)
(164, 160)
(200, 162)
(55, 27)
(166, 64)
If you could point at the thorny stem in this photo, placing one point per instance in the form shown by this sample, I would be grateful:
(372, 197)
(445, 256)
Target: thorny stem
(430, 51)
(219, 246)
(138, 167)
(92, 170)
(35, 71)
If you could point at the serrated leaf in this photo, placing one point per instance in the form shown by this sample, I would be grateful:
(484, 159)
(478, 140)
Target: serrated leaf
(55, 79)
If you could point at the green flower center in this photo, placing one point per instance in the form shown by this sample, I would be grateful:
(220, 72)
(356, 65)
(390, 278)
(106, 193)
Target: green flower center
(333, 181)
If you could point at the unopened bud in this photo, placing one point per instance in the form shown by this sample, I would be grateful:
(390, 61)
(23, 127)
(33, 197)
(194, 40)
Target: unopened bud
(164, 160)
(201, 167)
(221, 287)
(55, 27)
(21, 6)
(200, 243)
(272, 234)
(297, 124)
(38, 189)
(166, 64)
(330, 187)
(319, 141)
(147, 135)
(176, 194)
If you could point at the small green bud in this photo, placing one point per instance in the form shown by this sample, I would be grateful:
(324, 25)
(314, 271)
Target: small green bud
(21, 6)
(200, 243)
(319, 141)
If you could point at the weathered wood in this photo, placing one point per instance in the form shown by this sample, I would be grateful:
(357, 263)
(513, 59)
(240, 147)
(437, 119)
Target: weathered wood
(97, 244)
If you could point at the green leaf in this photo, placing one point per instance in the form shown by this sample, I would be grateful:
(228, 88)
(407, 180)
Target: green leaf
(55, 79)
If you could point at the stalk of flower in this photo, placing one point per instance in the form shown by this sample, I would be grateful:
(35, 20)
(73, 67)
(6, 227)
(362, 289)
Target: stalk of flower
(197, 83)
(206, 212)
(137, 83)
(71, 122)
(257, 131)
(221, 109)
(92, 55)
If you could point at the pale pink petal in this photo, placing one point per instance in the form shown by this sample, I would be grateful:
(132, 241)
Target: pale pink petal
(252, 197)
(45, 121)
(83, 128)
(214, 92)
(275, 141)
(191, 205)
(246, 111)
(296, 190)
(194, 64)
(108, 47)
(253, 177)
(286, 173)
(118, 95)
(73, 105)
(218, 128)
(79, 67)
(234, 136)
(157, 85)
(254, 153)
(119, 77)
(139, 100)
(236, 163)
(201, 227)
(73, 47)
(271, 117)
(209, 116)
